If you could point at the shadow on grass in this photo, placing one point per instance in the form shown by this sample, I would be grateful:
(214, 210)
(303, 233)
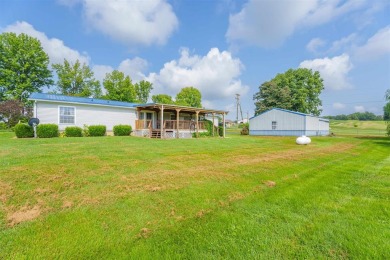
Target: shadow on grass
(383, 141)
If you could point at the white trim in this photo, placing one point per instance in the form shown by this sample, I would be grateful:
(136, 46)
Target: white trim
(59, 115)
(79, 103)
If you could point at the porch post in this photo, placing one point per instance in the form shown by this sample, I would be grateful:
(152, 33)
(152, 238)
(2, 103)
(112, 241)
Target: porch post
(223, 119)
(213, 124)
(161, 121)
(197, 124)
(177, 122)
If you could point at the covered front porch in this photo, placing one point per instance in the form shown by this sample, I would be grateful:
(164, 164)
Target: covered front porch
(172, 121)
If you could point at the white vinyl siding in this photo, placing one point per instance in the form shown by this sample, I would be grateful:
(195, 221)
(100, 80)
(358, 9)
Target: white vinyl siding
(85, 114)
(67, 115)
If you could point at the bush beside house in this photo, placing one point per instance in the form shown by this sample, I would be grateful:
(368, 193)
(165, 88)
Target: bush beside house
(122, 130)
(23, 130)
(73, 131)
(47, 130)
(97, 130)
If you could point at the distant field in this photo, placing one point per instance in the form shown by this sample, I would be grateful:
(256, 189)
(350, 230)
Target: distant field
(355, 127)
(242, 197)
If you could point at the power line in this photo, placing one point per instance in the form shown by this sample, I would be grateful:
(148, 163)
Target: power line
(357, 102)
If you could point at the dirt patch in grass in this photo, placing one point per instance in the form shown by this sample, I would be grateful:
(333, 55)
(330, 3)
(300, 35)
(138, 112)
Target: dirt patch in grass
(23, 214)
(270, 183)
(5, 191)
(144, 233)
(67, 204)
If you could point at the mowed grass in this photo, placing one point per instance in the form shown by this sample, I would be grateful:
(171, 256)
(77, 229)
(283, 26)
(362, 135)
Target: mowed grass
(241, 197)
(356, 127)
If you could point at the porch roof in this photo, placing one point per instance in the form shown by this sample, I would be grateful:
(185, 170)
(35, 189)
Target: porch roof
(154, 106)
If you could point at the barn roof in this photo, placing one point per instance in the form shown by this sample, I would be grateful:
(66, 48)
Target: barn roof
(292, 112)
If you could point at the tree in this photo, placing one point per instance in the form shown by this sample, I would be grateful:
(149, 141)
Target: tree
(163, 99)
(386, 110)
(119, 87)
(11, 111)
(142, 90)
(23, 67)
(76, 80)
(296, 90)
(189, 96)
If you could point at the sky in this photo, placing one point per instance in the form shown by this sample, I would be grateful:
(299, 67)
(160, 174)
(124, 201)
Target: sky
(221, 47)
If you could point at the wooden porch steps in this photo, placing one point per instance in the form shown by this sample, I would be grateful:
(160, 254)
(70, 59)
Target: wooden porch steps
(156, 134)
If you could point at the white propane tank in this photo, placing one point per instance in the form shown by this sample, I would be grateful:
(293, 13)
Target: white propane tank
(303, 140)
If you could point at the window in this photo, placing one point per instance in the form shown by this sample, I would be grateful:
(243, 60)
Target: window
(67, 115)
(274, 125)
(149, 116)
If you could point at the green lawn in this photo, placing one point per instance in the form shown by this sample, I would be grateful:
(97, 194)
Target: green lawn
(241, 197)
(355, 127)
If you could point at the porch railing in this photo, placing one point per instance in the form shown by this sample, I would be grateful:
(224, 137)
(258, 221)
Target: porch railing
(169, 124)
(143, 124)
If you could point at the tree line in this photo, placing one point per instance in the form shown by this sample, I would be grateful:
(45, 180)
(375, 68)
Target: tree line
(362, 116)
(24, 69)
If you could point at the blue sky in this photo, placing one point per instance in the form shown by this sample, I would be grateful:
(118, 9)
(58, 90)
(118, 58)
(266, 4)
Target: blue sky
(221, 47)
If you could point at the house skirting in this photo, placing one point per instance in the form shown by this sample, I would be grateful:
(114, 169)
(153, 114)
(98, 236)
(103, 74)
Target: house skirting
(289, 132)
(167, 134)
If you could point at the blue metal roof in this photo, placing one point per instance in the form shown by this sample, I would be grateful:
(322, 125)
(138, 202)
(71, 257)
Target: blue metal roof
(288, 111)
(81, 100)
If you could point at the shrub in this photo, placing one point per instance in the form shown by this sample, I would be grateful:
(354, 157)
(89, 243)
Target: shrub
(23, 131)
(245, 130)
(47, 130)
(220, 130)
(122, 130)
(97, 130)
(3, 126)
(73, 131)
(85, 130)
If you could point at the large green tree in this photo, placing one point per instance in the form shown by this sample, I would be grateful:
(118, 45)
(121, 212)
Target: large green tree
(76, 80)
(386, 110)
(163, 99)
(23, 67)
(296, 90)
(119, 87)
(142, 90)
(189, 96)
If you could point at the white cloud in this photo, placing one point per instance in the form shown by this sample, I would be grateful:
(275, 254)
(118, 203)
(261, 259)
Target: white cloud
(134, 68)
(314, 44)
(268, 23)
(132, 22)
(215, 75)
(338, 105)
(359, 109)
(55, 48)
(334, 71)
(100, 71)
(344, 43)
(376, 46)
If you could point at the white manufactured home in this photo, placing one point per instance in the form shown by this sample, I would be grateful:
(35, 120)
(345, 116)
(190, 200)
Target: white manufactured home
(147, 120)
(281, 122)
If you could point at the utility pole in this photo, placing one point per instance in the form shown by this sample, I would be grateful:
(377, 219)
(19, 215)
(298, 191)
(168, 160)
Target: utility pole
(238, 107)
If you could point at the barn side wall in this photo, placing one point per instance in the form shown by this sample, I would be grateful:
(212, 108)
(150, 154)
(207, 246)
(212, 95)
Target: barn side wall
(287, 124)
